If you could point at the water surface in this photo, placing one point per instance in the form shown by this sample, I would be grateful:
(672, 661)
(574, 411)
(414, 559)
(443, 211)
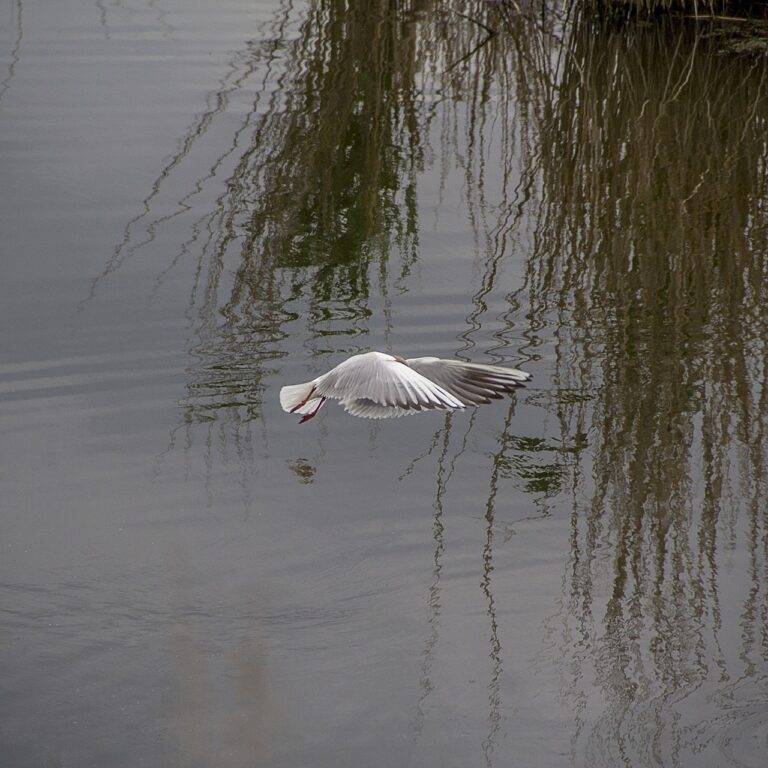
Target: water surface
(203, 201)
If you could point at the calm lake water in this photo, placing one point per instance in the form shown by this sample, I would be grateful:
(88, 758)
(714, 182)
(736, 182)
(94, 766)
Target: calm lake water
(202, 201)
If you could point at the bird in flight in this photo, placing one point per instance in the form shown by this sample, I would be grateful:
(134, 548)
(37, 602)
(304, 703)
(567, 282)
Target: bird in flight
(376, 385)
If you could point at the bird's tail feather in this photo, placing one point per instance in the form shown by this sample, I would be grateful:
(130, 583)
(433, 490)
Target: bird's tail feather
(292, 396)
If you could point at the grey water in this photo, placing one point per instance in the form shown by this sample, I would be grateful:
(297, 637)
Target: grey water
(202, 201)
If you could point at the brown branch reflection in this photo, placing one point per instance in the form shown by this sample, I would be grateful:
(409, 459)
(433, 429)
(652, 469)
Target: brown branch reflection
(18, 26)
(434, 603)
(495, 702)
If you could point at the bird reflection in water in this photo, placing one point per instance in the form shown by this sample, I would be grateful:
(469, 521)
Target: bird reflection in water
(304, 471)
(220, 709)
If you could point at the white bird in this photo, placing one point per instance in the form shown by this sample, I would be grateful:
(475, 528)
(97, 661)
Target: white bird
(376, 385)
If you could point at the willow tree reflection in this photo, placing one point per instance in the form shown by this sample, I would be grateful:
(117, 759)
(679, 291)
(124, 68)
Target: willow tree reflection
(651, 256)
(630, 178)
(323, 188)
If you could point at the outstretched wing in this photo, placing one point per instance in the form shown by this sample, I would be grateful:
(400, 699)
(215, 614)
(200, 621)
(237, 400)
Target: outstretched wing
(472, 383)
(381, 380)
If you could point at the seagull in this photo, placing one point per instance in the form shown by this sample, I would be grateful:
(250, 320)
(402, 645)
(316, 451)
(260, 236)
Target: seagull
(376, 385)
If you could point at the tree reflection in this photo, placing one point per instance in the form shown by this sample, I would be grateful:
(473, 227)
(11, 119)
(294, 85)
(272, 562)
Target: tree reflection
(326, 188)
(18, 27)
(651, 253)
(630, 169)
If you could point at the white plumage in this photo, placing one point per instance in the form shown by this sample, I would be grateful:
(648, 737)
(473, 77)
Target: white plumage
(376, 385)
